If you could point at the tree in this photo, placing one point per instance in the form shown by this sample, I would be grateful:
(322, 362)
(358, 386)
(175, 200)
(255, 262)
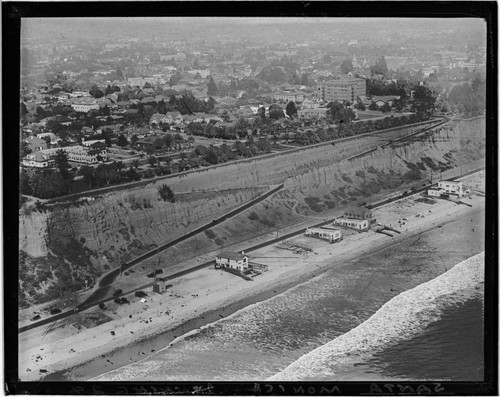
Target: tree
(346, 66)
(261, 112)
(25, 183)
(291, 109)
(276, 112)
(135, 164)
(373, 106)
(360, 105)
(380, 67)
(88, 173)
(24, 149)
(386, 108)
(122, 141)
(264, 145)
(96, 92)
(62, 164)
(48, 184)
(166, 193)
(304, 79)
(338, 113)
(423, 101)
(134, 139)
(212, 87)
(152, 160)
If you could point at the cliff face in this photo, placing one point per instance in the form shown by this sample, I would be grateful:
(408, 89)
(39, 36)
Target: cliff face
(94, 236)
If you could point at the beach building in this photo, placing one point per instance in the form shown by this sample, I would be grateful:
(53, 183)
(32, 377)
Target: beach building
(325, 233)
(360, 225)
(232, 260)
(360, 213)
(447, 188)
(452, 187)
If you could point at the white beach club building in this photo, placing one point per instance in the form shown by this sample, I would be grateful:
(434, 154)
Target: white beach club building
(325, 233)
(445, 188)
(232, 260)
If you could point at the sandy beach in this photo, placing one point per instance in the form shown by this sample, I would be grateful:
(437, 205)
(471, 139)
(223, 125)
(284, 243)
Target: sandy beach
(132, 332)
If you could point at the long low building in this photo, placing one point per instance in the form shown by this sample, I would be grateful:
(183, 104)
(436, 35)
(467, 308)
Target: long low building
(77, 154)
(312, 112)
(356, 224)
(325, 233)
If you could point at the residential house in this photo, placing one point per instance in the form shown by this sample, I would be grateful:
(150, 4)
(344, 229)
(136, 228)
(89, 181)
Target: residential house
(38, 160)
(383, 100)
(358, 213)
(36, 144)
(93, 142)
(232, 260)
(452, 187)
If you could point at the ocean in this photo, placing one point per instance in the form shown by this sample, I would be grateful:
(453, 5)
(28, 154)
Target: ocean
(440, 340)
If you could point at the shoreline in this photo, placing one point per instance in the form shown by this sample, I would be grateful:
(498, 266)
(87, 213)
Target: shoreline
(148, 345)
(459, 284)
(127, 336)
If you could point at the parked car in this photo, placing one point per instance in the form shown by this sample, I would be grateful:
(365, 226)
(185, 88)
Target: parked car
(34, 318)
(55, 310)
(151, 275)
(158, 271)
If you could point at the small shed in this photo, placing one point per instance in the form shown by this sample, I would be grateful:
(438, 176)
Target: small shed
(160, 285)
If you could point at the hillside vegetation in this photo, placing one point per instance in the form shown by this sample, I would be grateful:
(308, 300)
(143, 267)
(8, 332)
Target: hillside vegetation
(62, 245)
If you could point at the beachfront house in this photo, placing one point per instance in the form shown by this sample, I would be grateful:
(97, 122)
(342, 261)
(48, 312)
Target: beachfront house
(447, 188)
(232, 260)
(325, 233)
(452, 187)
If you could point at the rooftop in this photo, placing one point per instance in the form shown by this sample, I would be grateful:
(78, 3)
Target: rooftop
(231, 255)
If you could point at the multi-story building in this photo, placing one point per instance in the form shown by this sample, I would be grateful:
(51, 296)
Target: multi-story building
(342, 90)
(85, 107)
(78, 154)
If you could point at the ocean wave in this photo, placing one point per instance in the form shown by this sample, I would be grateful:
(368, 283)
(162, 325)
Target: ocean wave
(403, 317)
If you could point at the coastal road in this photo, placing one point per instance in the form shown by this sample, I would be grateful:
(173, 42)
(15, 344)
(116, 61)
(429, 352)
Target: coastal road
(101, 299)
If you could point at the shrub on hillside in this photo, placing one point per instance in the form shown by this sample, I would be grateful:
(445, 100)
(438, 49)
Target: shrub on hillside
(313, 203)
(253, 216)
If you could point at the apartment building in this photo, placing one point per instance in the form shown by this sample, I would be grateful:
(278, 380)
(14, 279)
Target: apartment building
(342, 90)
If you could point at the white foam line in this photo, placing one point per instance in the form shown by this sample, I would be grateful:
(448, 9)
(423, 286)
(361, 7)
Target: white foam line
(400, 318)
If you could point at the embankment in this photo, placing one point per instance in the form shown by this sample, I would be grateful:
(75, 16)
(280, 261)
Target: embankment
(94, 236)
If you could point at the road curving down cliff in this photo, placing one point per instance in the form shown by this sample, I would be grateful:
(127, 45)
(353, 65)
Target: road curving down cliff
(62, 245)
